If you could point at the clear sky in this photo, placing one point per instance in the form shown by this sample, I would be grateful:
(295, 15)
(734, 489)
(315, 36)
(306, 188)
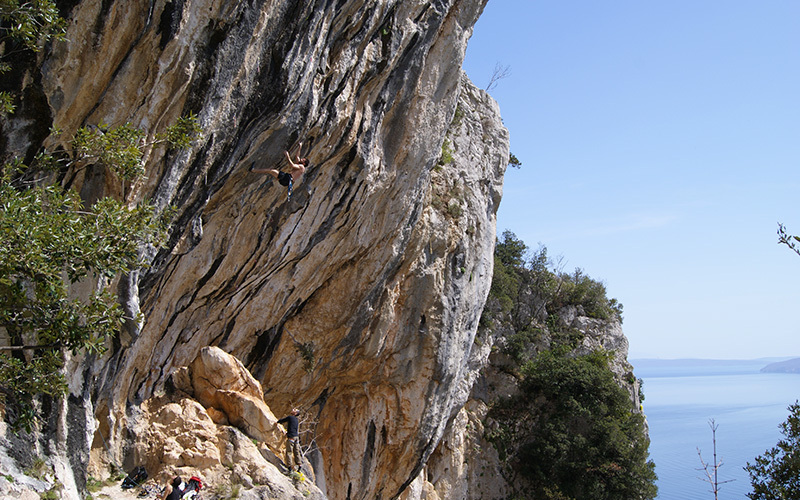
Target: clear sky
(660, 144)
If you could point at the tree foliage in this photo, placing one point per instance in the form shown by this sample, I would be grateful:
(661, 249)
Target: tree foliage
(572, 433)
(580, 440)
(30, 23)
(775, 475)
(25, 26)
(530, 287)
(51, 244)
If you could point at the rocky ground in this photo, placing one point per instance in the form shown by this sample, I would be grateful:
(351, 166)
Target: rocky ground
(116, 492)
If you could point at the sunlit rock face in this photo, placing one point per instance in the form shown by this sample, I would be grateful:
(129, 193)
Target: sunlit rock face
(358, 298)
(212, 422)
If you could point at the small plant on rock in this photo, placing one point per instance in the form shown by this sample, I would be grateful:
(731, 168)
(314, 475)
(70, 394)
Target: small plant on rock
(447, 153)
(38, 468)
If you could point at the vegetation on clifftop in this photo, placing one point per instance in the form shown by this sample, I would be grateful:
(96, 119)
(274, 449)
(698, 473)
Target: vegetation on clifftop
(572, 431)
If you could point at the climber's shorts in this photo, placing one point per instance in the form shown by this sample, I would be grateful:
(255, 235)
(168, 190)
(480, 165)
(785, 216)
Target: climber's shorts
(284, 178)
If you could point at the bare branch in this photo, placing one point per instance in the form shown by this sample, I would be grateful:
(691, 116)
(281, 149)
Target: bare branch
(499, 73)
(29, 347)
(711, 470)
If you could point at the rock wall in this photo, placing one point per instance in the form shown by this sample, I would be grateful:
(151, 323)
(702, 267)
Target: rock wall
(359, 298)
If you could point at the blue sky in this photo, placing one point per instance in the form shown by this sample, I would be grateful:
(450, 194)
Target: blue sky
(660, 144)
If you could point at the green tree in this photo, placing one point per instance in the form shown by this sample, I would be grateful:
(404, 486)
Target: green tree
(774, 475)
(576, 436)
(530, 287)
(25, 26)
(509, 257)
(581, 290)
(49, 241)
(511, 250)
(573, 433)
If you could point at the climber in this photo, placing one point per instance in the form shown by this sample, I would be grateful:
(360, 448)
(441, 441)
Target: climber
(293, 457)
(288, 180)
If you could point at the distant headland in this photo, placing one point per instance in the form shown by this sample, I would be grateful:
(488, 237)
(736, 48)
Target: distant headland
(787, 366)
(650, 368)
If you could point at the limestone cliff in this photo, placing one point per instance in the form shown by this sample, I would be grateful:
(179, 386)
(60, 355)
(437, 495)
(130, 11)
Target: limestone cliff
(358, 299)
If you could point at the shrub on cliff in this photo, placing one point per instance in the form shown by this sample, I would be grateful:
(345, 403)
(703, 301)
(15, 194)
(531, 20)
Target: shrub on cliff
(528, 290)
(571, 433)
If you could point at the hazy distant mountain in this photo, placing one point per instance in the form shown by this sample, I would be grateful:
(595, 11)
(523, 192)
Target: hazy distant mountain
(788, 366)
(654, 368)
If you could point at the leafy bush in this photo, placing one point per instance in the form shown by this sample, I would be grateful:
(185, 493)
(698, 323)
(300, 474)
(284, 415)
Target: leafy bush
(774, 474)
(572, 434)
(581, 290)
(528, 288)
(447, 153)
(518, 342)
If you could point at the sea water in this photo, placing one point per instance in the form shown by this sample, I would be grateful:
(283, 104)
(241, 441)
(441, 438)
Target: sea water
(682, 398)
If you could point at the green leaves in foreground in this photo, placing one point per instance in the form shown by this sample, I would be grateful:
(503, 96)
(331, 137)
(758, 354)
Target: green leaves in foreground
(774, 475)
(25, 26)
(120, 148)
(31, 23)
(48, 242)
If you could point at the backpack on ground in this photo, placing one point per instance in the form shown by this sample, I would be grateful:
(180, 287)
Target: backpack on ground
(137, 476)
(193, 487)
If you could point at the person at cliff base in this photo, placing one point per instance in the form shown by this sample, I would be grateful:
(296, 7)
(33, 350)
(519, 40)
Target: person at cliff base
(174, 490)
(298, 169)
(293, 457)
(180, 490)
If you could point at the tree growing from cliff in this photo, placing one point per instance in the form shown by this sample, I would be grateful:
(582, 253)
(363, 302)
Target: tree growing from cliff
(774, 474)
(50, 242)
(572, 434)
(25, 27)
(529, 289)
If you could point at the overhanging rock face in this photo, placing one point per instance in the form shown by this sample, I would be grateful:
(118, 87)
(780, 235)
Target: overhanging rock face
(358, 298)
